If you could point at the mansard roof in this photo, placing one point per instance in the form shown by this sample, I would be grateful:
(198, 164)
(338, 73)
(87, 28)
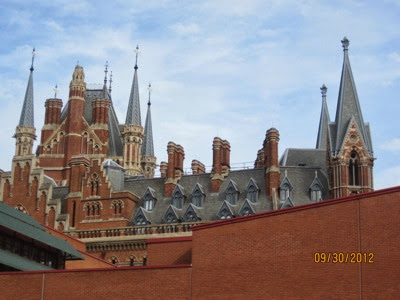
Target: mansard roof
(213, 200)
(301, 178)
(294, 157)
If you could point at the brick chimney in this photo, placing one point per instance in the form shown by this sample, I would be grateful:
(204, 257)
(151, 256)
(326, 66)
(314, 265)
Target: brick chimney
(221, 163)
(163, 169)
(271, 164)
(198, 167)
(100, 108)
(259, 163)
(52, 118)
(176, 156)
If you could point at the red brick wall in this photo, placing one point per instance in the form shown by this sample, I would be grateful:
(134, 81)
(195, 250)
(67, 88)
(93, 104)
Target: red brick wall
(272, 255)
(122, 283)
(169, 251)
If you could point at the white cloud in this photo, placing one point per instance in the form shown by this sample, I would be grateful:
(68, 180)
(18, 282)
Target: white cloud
(185, 29)
(392, 145)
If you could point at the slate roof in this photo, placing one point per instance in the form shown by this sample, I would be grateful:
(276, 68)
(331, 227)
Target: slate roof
(26, 119)
(294, 157)
(348, 105)
(212, 201)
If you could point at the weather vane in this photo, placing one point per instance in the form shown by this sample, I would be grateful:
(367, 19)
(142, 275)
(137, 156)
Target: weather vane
(33, 58)
(150, 90)
(137, 53)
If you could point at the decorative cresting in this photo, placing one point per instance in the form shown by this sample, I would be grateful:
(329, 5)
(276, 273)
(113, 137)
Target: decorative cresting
(132, 132)
(25, 133)
(350, 153)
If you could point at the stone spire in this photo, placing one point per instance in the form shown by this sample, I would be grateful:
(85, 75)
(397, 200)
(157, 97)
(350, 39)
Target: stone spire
(348, 105)
(133, 113)
(26, 119)
(25, 133)
(148, 158)
(147, 147)
(324, 121)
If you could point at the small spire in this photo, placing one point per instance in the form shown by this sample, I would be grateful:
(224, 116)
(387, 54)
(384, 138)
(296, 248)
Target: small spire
(324, 89)
(105, 73)
(55, 91)
(133, 113)
(345, 44)
(33, 58)
(109, 89)
(137, 54)
(150, 90)
(26, 118)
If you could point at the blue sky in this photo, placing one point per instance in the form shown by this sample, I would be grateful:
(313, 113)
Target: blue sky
(227, 68)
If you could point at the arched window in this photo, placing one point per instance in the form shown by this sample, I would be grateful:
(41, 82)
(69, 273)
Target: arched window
(116, 206)
(354, 169)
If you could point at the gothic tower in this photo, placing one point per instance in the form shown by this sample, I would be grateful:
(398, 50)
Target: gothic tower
(25, 133)
(133, 131)
(148, 159)
(347, 139)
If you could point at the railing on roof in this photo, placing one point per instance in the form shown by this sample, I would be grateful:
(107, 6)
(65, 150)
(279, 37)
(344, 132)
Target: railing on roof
(234, 167)
(134, 230)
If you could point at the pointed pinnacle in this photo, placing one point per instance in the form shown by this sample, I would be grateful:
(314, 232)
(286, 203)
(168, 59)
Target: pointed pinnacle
(137, 53)
(109, 89)
(150, 89)
(105, 73)
(345, 44)
(33, 58)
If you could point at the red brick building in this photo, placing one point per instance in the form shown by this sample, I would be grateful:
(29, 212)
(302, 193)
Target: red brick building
(94, 178)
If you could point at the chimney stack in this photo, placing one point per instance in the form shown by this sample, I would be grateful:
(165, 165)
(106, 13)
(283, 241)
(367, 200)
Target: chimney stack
(221, 163)
(163, 169)
(176, 156)
(198, 167)
(271, 164)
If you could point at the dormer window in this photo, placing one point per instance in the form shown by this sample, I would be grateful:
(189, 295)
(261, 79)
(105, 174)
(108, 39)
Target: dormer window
(316, 189)
(252, 191)
(149, 199)
(178, 197)
(285, 189)
(198, 196)
(232, 193)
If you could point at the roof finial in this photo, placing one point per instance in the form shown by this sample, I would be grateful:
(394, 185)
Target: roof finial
(137, 53)
(316, 174)
(77, 63)
(345, 44)
(55, 91)
(33, 58)
(109, 89)
(323, 89)
(150, 89)
(105, 73)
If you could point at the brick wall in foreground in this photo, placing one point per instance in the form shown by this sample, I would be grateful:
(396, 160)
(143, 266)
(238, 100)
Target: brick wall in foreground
(272, 255)
(121, 283)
